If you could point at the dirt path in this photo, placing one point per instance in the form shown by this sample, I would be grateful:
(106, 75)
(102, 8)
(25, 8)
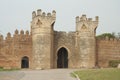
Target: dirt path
(52, 74)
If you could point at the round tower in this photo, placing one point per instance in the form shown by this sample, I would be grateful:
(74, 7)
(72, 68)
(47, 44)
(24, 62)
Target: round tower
(86, 41)
(42, 39)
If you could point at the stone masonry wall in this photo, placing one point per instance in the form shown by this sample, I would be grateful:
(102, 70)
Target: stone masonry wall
(66, 40)
(85, 33)
(12, 49)
(43, 44)
(107, 49)
(42, 38)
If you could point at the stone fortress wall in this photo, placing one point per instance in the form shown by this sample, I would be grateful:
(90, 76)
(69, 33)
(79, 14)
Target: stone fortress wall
(41, 46)
(12, 49)
(66, 40)
(107, 50)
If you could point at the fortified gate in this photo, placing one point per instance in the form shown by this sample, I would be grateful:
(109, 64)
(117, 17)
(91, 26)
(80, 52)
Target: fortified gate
(45, 48)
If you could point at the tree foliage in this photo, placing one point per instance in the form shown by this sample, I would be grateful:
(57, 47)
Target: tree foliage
(104, 35)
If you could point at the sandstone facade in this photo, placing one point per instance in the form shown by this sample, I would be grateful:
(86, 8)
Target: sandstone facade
(44, 48)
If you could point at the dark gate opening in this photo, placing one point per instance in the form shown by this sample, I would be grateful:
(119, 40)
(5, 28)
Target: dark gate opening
(62, 60)
(25, 62)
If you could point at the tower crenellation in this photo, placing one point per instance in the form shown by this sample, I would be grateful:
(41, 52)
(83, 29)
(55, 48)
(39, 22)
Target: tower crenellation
(54, 14)
(16, 32)
(86, 25)
(27, 32)
(1, 37)
(21, 32)
(49, 14)
(89, 19)
(33, 14)
(39, 11)
(97, 18)
(43, 14)
(8, 35)
(77, 19)
(8, 38)
(83, 18)
(42, 20)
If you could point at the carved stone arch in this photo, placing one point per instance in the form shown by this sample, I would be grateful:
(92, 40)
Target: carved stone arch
(69, 52)
(62, 56)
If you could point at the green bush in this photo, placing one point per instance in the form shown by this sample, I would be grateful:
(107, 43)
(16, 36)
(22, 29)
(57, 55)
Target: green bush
(1, 67)
(114, 63)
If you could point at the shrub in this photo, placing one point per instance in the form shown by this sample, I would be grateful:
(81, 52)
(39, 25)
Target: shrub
(1, 67)
(114, 63)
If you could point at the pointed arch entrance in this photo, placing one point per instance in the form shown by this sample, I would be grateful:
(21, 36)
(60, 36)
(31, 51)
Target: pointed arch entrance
(62, 58)
(25, 62)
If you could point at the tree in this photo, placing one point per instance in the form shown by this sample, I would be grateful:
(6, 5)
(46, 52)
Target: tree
(119, 35)
(104, 35)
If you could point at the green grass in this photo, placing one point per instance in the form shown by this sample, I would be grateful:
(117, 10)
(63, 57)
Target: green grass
(98, 74)
(13, 69)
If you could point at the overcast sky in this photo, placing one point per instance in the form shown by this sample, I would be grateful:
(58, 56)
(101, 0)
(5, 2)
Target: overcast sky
(16, 14)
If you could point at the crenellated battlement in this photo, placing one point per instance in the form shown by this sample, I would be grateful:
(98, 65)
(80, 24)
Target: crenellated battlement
(21, 32)
(108, 39)
(1, 37)
(86, 26)
(83, 18)
(24, 34)
(42, 21)
(41, 14)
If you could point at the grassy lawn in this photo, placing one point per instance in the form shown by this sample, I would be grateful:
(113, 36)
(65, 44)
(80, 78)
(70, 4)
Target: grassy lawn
(1, 69)
(98, 74)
